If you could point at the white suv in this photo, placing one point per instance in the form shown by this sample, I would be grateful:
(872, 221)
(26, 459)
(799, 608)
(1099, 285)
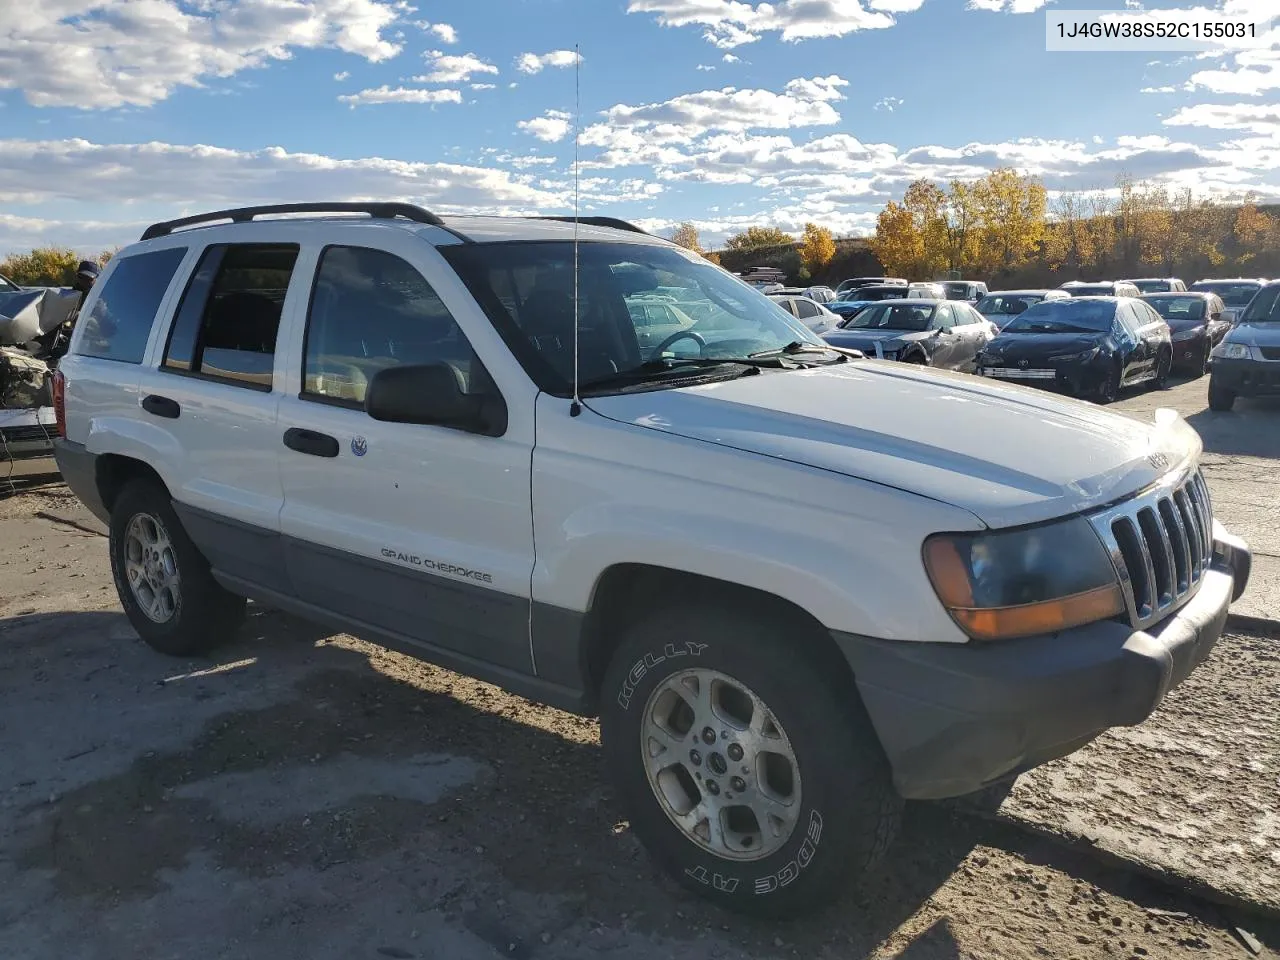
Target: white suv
(796, 585)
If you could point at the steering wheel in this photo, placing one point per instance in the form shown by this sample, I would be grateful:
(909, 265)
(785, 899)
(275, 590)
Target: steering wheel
(677, 337)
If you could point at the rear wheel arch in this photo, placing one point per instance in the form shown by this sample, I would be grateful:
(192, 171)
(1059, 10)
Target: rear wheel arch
(626, 592)
(114, 471)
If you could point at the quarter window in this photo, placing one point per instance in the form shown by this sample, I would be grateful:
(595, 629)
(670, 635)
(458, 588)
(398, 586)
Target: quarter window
(230, 314)
(119, 325)
(371, 310)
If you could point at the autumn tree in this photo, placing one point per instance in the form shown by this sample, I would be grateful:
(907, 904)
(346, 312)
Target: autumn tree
(46, 266)
(1251, 230)
(960, 226)
(817, 248)
(1013, 209)
(686, 235)
(897, 244)
(755, 237)
(713, 257)
(1068, 239)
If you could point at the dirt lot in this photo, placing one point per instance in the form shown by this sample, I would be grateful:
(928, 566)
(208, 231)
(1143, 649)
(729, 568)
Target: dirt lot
(314, 797)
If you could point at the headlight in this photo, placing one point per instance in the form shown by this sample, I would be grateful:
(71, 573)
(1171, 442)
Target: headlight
(998, 586)
(1234, 351)
(1075, 357)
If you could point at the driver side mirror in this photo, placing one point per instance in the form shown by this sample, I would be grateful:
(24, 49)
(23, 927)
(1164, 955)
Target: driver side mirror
(433, 394)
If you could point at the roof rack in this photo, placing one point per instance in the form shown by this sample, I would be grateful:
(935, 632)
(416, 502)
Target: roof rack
(380, 210)
(613, 222)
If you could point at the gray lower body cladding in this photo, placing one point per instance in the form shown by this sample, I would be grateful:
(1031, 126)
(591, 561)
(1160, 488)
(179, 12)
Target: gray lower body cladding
(954, 718)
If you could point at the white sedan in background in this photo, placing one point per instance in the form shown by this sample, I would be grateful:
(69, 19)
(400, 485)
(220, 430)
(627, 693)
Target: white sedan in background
(809, 312)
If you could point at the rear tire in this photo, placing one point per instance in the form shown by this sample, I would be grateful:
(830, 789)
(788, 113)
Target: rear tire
(689, 708)
(163, 581)
(1221, 400)
(1205, 361)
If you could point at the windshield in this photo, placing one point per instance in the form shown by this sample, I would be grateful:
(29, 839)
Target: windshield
(637, 303)
(1233, 294)
(1065, 316)
(892, 316)
(1178, 308)
(1152, 286)
(1007, 305)
(1265, 307)
(956, 291)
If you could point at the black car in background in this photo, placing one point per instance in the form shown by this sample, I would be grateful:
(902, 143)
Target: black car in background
(1195, 326)
(1084, 346)
(846, 287)
(936, 333)
(1236, 294)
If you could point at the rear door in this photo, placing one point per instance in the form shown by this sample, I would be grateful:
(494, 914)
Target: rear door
(423, 532)
(213, 392)
(972, 335)
(946, 343)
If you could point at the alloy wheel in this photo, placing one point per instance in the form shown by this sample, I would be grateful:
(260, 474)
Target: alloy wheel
(151, 568)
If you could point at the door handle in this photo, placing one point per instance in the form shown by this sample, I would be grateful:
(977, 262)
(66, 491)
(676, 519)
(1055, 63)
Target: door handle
(161, 406)
(311, 442)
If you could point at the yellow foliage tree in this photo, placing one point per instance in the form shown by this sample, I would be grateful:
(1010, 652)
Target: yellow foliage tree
(1251, 230)
(897, 244)
(713, 257)
(1013, 209)
(686, 235)
(817, 248)
(754, 237)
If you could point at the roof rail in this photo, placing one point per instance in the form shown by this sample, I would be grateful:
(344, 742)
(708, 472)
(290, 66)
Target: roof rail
(381, 210)
(613, 222)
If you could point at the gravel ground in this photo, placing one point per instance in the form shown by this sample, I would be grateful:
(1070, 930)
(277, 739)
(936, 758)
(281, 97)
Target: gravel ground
(304, 796)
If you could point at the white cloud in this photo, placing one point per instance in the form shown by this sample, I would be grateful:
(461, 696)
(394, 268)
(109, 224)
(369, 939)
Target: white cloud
(1007, 6)
(385, 94)
(731, 58)
(803, 103)
(1159, 90)
(1256, 118)
(889, 104)
(343, 75)
(448, 68)
(534, 63)
(109, 53)
(704, 68)
(732, 23)
(552, 126)
(484, 86)
(441, 31)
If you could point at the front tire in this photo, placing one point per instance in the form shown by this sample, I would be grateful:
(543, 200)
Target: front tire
(1164, 364)
(749, 774)
(163, 581)
(1110, 389)
(1221, 399)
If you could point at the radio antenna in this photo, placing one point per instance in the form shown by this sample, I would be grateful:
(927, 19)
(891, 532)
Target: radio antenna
(575, 408)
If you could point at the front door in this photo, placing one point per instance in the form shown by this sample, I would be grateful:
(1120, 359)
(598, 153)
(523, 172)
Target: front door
(423, 532)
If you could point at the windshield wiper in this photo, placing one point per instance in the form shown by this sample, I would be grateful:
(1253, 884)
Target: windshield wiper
(655, 369)
(790, 350)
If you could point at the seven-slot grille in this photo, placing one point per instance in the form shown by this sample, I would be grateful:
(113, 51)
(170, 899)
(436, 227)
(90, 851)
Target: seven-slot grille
(1162, 544)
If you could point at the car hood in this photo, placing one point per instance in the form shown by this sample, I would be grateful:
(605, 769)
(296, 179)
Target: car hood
(1007, 454)
(859, 339)
(1012, 347)
(1256, 334)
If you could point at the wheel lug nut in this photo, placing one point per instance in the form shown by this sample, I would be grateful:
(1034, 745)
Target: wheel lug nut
(695, 758)
(735, 752)
(713, 788)
(738, 784)
(708, 736)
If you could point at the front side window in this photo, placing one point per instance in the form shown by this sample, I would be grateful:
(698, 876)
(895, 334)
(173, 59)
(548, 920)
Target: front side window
(230, 314)
(527, 291)
(806, 309)
(119, 325)
(371, 310)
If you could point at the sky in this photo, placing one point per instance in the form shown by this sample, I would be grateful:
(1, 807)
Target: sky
(725, 113)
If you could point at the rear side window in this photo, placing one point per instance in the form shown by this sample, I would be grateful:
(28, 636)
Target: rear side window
(230, 314)
(120, 322)
(371, 310)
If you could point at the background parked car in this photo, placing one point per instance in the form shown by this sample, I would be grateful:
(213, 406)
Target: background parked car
(847, 308)
(970, 291)
(1247, 361)
(1103, 288)
(890, 291)
(1001, 306)
(1159, 285)
(1195, 326)
(936, 333)
(813, 315)
(1236, 294)
(933, 291)
(852, 284)
(1085, 347)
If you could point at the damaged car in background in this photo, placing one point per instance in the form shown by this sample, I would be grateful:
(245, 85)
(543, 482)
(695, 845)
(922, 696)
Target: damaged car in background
(35, 327)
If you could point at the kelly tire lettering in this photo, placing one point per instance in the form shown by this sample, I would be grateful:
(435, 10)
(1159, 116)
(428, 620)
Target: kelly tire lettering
(650, 660)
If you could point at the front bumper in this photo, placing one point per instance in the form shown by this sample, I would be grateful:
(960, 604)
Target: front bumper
(1189, 354)
(953, 718)
(1246, 378)
(1078, 378)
